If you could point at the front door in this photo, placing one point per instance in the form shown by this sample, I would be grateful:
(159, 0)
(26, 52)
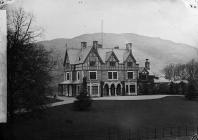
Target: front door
(112, 90)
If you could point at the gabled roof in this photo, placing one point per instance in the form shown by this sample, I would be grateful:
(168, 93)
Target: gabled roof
(109, 54)
(72, 53)
(79, 55)
(82, 55)
(119, 53)
(126, 56)
(143, 69)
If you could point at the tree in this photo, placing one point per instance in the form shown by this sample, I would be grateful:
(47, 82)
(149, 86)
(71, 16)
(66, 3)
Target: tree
(188, 71)
(169, 71)
(83, 101)
(28, 64)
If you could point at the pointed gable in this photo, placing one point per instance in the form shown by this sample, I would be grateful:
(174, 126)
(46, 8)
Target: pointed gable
(66, 59)
(110, 56)
(129, 57)
(89, 53)
(70, 55)
(143, 70)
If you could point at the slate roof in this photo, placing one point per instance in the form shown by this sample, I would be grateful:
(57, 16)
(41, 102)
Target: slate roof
(78, 56)
(72, 53)
(141, 69)
(106, 52)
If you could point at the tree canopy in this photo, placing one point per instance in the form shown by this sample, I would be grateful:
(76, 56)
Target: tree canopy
(28, 63)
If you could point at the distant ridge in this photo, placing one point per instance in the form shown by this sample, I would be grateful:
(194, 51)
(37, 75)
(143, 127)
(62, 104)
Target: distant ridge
(160, 52)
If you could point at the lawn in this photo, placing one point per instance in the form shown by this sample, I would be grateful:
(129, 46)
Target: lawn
(57, 123)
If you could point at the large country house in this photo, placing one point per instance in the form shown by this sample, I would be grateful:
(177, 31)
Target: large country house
(109, 71)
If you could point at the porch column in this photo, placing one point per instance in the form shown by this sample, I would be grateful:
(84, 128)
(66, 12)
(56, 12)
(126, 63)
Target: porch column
(136, 88)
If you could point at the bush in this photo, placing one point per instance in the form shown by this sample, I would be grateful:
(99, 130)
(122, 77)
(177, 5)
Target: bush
(191, 91)
(83, 101)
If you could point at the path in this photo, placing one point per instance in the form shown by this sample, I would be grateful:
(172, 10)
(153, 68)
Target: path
(69, 100)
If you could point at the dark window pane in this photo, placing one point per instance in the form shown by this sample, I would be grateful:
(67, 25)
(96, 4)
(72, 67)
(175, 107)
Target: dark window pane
(115, 75)
(78, 75)
(130, 75)
(112, 63)
(92, 63)
(132, 88)
(92, 75)
(129, 64)
(68, 76)
(144, 77)
(109, 75)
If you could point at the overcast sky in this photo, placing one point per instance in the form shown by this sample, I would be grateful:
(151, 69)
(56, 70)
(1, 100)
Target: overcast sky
(168, 19)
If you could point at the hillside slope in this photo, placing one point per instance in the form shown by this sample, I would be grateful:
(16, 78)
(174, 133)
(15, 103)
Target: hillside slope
(160, 52)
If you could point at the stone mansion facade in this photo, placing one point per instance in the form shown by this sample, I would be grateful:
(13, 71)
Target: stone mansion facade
(109, 71)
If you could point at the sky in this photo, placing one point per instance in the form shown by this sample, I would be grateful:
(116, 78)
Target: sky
(167, 19)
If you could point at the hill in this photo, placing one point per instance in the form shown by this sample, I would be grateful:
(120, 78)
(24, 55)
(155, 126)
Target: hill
(160, 52)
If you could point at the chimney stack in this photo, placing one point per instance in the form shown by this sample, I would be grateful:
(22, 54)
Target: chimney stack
(95, 44)
(129, 46)
(147, 64)
(83, 45)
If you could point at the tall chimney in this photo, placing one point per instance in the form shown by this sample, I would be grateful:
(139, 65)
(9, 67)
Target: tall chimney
(83, 45)
(147, 64)
(95, 44)
(129, 46)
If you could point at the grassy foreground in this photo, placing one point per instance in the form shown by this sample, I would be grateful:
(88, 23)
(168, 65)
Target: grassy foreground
(61, 121)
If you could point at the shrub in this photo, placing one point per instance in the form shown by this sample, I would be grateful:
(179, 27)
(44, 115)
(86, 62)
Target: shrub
(191, 91)
(84, 100)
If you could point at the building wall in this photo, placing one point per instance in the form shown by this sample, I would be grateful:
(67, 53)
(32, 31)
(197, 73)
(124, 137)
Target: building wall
(102, 72)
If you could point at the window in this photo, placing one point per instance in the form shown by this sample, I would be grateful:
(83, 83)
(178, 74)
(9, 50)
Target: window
(132, 88)
(143, 77)
(112, 63)
(113, 75)
(110, 75)
(92, 63)
(92, 75)
(94, 90)
(78, 75)
(130, 75)
(68, 76)
(129, 64)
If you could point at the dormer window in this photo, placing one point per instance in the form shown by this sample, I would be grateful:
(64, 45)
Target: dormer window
(67, 76)
(92, 63)
(112, 63)
(129, 64)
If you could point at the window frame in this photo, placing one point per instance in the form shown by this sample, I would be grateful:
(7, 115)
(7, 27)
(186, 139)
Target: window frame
(90, 62)
(130, 63)
(90, 75)
(112, 75)
(112, 62)
(68, 74)
(128, 75)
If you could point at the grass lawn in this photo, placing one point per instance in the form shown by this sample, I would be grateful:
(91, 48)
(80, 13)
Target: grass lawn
(58, 122)
(51, 100)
